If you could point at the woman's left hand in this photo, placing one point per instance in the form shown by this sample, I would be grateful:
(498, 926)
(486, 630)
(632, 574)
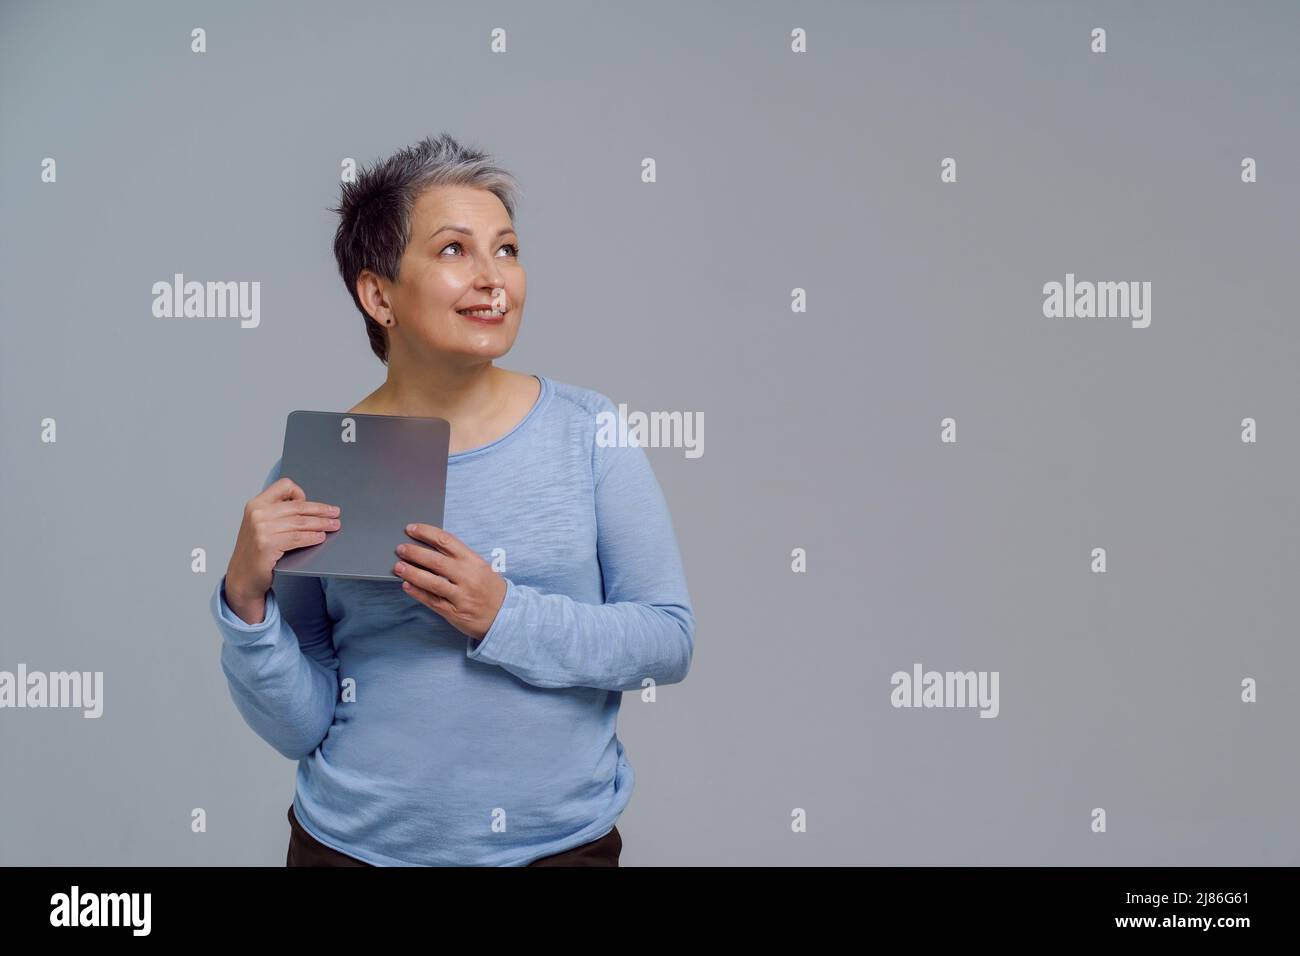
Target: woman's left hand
(451, 579)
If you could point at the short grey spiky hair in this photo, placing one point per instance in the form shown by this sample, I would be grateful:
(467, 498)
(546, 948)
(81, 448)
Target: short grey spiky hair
(375, 211)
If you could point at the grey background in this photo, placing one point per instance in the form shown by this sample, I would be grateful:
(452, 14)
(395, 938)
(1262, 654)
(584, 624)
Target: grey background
(775, 170)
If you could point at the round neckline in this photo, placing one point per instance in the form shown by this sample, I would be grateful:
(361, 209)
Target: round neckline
(542, 396)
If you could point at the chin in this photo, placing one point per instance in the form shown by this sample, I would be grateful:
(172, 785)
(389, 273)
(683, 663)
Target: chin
(498, 340)
(484, 350)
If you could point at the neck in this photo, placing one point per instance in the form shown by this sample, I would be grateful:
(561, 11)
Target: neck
(457, 392)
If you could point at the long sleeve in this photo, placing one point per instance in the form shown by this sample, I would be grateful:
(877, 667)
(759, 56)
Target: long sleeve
(282, 672)
(645, 628)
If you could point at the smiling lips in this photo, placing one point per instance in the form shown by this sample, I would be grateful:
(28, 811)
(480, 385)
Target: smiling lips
(483, 313)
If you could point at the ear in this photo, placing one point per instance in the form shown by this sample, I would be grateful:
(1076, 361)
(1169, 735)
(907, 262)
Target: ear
(372, 291)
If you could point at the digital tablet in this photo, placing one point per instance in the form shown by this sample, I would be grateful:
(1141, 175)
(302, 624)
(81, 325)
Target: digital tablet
(383, 471)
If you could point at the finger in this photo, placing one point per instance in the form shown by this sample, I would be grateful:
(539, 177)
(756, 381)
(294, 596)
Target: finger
(440, 538)
(429, 599)
(443, 565)
(299, 507)
(289, 531)
(294, 522)
(426, 580)
(288, 540)
(283, 489)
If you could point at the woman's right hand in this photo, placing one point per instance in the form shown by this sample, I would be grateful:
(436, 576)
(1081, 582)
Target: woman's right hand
(279, 519)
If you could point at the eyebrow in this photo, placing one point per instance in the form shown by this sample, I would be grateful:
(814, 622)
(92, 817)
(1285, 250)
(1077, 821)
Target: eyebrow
(467, 231)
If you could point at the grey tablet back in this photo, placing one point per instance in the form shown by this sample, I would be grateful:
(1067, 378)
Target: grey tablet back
(383, 471)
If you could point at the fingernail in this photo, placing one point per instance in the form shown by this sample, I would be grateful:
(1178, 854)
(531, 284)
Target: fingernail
(410, 527)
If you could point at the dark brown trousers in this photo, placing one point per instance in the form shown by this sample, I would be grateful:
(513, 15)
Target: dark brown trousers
(306, 850)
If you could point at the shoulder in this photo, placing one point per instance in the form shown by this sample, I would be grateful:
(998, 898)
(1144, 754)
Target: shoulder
(580, 402)
(595, 426)
(585, 412)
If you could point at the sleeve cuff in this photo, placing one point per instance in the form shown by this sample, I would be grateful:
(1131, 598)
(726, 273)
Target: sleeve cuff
(486, 648)
(235, 628)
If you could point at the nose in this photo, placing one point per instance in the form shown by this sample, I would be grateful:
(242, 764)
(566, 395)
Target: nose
(490, 279)
(489, 267)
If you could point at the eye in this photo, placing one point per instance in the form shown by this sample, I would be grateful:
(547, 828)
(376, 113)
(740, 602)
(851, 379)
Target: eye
(512, 246)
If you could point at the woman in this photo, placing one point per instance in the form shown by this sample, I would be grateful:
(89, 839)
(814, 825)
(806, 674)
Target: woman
(466, 713)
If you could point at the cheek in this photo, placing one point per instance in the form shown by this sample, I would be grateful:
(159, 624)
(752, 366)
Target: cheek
(423, 288)
(446, 288)
(516, 288)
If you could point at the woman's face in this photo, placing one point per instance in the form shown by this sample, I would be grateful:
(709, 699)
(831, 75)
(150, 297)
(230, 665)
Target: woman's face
(462, 253)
